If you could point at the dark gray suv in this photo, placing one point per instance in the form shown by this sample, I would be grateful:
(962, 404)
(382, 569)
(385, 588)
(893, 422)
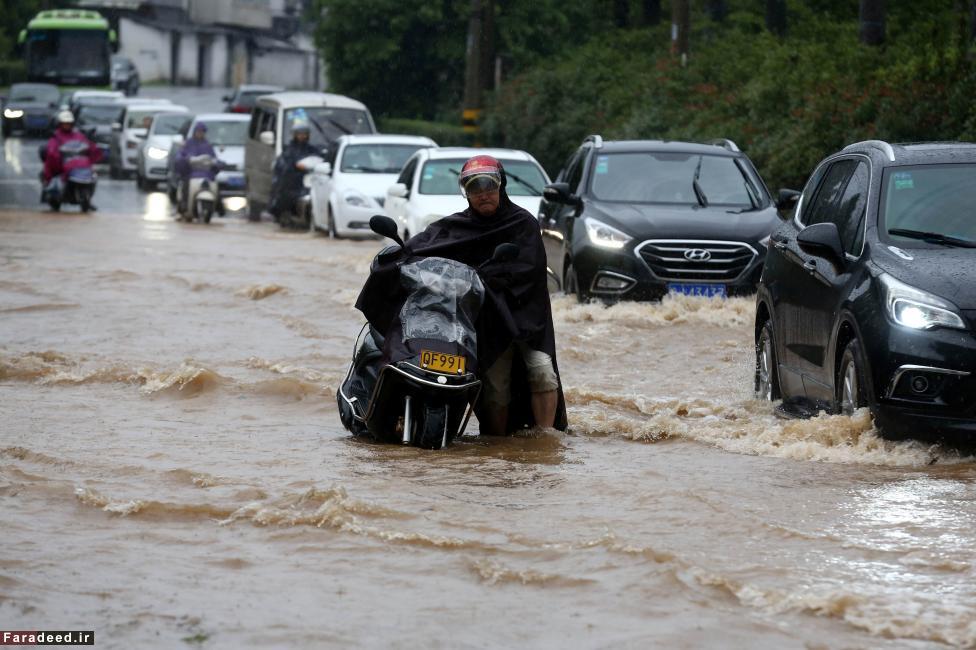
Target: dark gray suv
(637, 219)
(868, 294)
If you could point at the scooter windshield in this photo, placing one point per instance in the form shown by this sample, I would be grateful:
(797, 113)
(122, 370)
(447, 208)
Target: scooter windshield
(445, 297)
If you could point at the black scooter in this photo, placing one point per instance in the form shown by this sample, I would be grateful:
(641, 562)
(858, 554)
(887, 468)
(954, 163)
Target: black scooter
(417, 383)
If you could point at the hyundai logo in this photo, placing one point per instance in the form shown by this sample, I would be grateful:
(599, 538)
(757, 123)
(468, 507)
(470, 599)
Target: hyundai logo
(697, 255)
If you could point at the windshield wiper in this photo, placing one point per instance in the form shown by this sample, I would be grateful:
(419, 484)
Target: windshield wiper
(699, 194)
(933, 237)
(532, 188)
(338, 126)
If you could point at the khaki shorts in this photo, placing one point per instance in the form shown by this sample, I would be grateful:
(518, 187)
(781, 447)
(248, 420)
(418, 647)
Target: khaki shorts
(539, 370)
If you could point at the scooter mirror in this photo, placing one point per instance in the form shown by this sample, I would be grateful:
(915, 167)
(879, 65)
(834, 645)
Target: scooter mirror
(383, 225)
(505, 253)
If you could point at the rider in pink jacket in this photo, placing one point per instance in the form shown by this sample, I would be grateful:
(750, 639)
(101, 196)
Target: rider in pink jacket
(65, 133)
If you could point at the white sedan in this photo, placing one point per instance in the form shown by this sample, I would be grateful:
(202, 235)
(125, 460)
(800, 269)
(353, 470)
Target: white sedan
(427, 188)
(346, 193)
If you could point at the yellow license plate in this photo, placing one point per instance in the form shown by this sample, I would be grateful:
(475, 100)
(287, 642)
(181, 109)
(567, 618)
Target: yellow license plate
(441, 362)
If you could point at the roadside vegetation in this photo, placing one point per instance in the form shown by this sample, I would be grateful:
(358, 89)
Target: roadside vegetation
(787, 97)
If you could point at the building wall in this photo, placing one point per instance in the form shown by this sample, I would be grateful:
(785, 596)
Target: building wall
(187, 74)
(239, 13)
(288, 69)
(147, 47)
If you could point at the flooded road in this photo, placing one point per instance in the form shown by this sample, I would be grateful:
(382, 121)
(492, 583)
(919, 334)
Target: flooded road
(173, 472)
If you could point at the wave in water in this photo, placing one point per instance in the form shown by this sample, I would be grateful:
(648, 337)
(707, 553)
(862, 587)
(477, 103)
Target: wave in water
(882, 614)
(188, 380)
(673, 309)
(261, 291)
(748, 427)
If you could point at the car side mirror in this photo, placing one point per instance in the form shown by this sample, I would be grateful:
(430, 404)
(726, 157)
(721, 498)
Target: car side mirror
(323, 168)
(116, 126)
(225, 98)
(383, 225)
(398, 190)
(823, 240)
(267, 137)
(786, 199)
(559, 193)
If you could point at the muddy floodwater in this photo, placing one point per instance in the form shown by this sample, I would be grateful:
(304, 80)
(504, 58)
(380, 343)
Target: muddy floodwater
(173, 472)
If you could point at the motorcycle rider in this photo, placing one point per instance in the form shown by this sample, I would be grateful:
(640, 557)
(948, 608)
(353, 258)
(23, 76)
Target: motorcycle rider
(197, 145)
(287, 183)
(53, 166)
(516, 339)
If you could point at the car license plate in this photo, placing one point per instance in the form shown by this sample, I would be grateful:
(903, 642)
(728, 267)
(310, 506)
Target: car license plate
(706, 290)
(441, 362)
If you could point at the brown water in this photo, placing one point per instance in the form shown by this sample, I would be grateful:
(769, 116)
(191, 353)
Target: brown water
(173, 473)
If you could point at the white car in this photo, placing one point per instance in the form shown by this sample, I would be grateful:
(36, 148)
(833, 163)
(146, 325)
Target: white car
(427, 188)
(346, 193)
(151, 164)
(129, 132)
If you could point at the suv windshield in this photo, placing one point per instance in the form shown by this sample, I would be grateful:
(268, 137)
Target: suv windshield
(98, 114)
(376, 158)
(226, 133)
(169, 124)
(669, 177)
(934, 201)
(525, 178)
(141, 119)
(327, 124)
(47, 94)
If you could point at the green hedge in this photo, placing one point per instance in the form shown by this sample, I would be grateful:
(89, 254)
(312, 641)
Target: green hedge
(12, 72)
(444, 134)
(786, 102)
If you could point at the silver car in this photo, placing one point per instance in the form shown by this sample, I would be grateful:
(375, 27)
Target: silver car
(153, 156)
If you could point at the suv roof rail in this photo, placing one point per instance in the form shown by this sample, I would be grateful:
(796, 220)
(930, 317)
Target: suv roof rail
(877, 144)
(725, 143)
(595, 139)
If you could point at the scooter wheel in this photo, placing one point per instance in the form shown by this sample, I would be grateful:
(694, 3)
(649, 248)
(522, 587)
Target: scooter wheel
(433, 427)
(55, 206)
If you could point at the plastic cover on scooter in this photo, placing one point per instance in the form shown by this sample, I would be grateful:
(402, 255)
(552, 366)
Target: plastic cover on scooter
(444, 299)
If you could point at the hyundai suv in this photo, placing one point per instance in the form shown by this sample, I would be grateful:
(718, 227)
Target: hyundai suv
(637, 219)
(868, 295)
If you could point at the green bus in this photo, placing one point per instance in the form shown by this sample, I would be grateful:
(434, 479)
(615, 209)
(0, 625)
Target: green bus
(68, 47)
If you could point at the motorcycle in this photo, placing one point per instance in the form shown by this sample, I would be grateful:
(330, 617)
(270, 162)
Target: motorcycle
(77, 184)
(417, 384)
(299, 215)
(201, 197)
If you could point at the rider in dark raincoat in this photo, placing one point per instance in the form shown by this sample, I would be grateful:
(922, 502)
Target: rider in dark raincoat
(287, 182)
(516, 340)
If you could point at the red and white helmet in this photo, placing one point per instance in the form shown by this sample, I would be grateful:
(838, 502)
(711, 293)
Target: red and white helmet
(480, 174)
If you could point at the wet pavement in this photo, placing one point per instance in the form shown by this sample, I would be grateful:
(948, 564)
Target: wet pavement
(173, 472)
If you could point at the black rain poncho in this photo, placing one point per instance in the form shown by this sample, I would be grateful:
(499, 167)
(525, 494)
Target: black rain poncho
(516, 307)
(286, 184)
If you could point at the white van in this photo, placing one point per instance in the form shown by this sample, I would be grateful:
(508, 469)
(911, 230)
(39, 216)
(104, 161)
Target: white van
(328, 117)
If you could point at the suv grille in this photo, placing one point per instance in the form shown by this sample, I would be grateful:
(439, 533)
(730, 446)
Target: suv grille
(682, 260)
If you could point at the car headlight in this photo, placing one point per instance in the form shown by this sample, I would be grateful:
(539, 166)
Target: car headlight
(12, 113)
(156, 153)
(605, 236)
(357, 200)
(917, 309)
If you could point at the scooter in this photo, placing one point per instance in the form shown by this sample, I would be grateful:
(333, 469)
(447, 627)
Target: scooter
(300, 215)
(417, 384)
(77, 184)
(201, 199)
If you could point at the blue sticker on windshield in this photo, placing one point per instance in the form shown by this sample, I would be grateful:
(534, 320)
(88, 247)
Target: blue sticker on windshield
(603, 165)
(903, 181)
